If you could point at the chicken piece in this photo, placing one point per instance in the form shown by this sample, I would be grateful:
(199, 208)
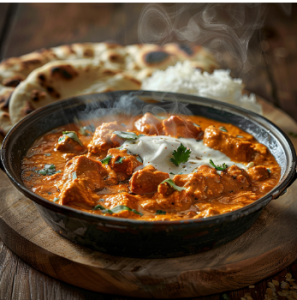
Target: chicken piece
(206, 183)
(123, 199)
(146, 181)
(78, 193)
(201, 185)
(171, 200)
(82, 178)
(67, 144)
(104, 138)
(149, 124)
(235, 179)
(177, 127)
(123, 163)
(238, 149)
(258, 173)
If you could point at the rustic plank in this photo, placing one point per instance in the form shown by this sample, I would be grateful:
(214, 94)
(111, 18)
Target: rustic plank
(34, 28)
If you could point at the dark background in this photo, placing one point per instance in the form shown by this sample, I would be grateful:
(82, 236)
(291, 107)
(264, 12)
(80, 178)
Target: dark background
(270, 73)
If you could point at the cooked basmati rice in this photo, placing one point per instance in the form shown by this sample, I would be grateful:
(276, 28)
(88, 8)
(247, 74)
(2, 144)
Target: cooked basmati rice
(183, 78)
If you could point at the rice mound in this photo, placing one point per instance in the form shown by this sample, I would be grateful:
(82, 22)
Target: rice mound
(183, 78)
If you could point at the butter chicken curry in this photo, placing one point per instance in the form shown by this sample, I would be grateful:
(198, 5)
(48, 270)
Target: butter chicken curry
(150, 168)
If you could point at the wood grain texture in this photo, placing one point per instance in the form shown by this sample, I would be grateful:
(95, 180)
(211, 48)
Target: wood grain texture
(262, 251)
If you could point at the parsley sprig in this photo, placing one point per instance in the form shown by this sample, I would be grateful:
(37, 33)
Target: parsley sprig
(219, 168)
(181, 155)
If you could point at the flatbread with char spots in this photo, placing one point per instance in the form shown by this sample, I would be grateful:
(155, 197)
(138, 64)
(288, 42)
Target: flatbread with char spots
(63, 79)
(135, 62)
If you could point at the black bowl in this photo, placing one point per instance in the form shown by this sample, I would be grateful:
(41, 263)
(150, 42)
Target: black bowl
(135, 238)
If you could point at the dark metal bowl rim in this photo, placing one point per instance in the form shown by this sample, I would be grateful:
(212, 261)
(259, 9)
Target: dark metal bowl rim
(263, 201)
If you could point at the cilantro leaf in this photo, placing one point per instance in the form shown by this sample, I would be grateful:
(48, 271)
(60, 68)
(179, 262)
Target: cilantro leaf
(172, 184)
(72, 135)
(56, 199)
(103, 209)
(116, 209)
(106, 160)
(126, 135)
(222, 128)
(181, 155)
(120, 160)
(48, 169)
(120, 208)
(219, 168)
(160, 212)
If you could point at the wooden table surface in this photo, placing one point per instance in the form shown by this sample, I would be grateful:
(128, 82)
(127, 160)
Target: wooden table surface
(270, 73)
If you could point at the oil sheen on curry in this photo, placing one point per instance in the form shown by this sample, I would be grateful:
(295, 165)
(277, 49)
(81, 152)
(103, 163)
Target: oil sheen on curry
(151, 168)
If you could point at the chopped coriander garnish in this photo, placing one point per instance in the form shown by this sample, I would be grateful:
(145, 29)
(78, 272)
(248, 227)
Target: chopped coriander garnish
(126, 135)
(56, 199)
(72, 135)
(269, 171)
(171, 173)
(49, 169)
(160, 212)
(120, 208)
(106, 160)
(74, 176)
(103, 209)
(119, 160)
(219, 168)
(181, 155)
(222, 128)
(239, 136)
(173, 185)
(116, 209)
(47, 154)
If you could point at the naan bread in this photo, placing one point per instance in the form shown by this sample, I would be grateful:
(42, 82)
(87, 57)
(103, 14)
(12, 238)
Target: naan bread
(63, 79)
(5, 125)
(127, 66)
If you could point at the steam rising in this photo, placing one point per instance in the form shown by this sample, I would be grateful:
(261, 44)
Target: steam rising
(221, 27)
(130, 105)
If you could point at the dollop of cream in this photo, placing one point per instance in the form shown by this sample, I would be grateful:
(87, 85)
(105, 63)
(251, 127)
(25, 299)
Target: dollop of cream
(157, 151)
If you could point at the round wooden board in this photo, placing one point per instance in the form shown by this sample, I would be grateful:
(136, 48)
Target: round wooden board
(266, 248)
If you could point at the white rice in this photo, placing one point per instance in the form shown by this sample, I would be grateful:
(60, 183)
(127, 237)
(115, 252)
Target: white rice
(183, 78)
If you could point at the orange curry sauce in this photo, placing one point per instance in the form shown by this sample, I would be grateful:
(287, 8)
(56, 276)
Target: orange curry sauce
(93, 175)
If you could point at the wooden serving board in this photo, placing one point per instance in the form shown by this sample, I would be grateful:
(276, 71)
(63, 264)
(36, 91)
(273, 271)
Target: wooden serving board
(266, 248)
